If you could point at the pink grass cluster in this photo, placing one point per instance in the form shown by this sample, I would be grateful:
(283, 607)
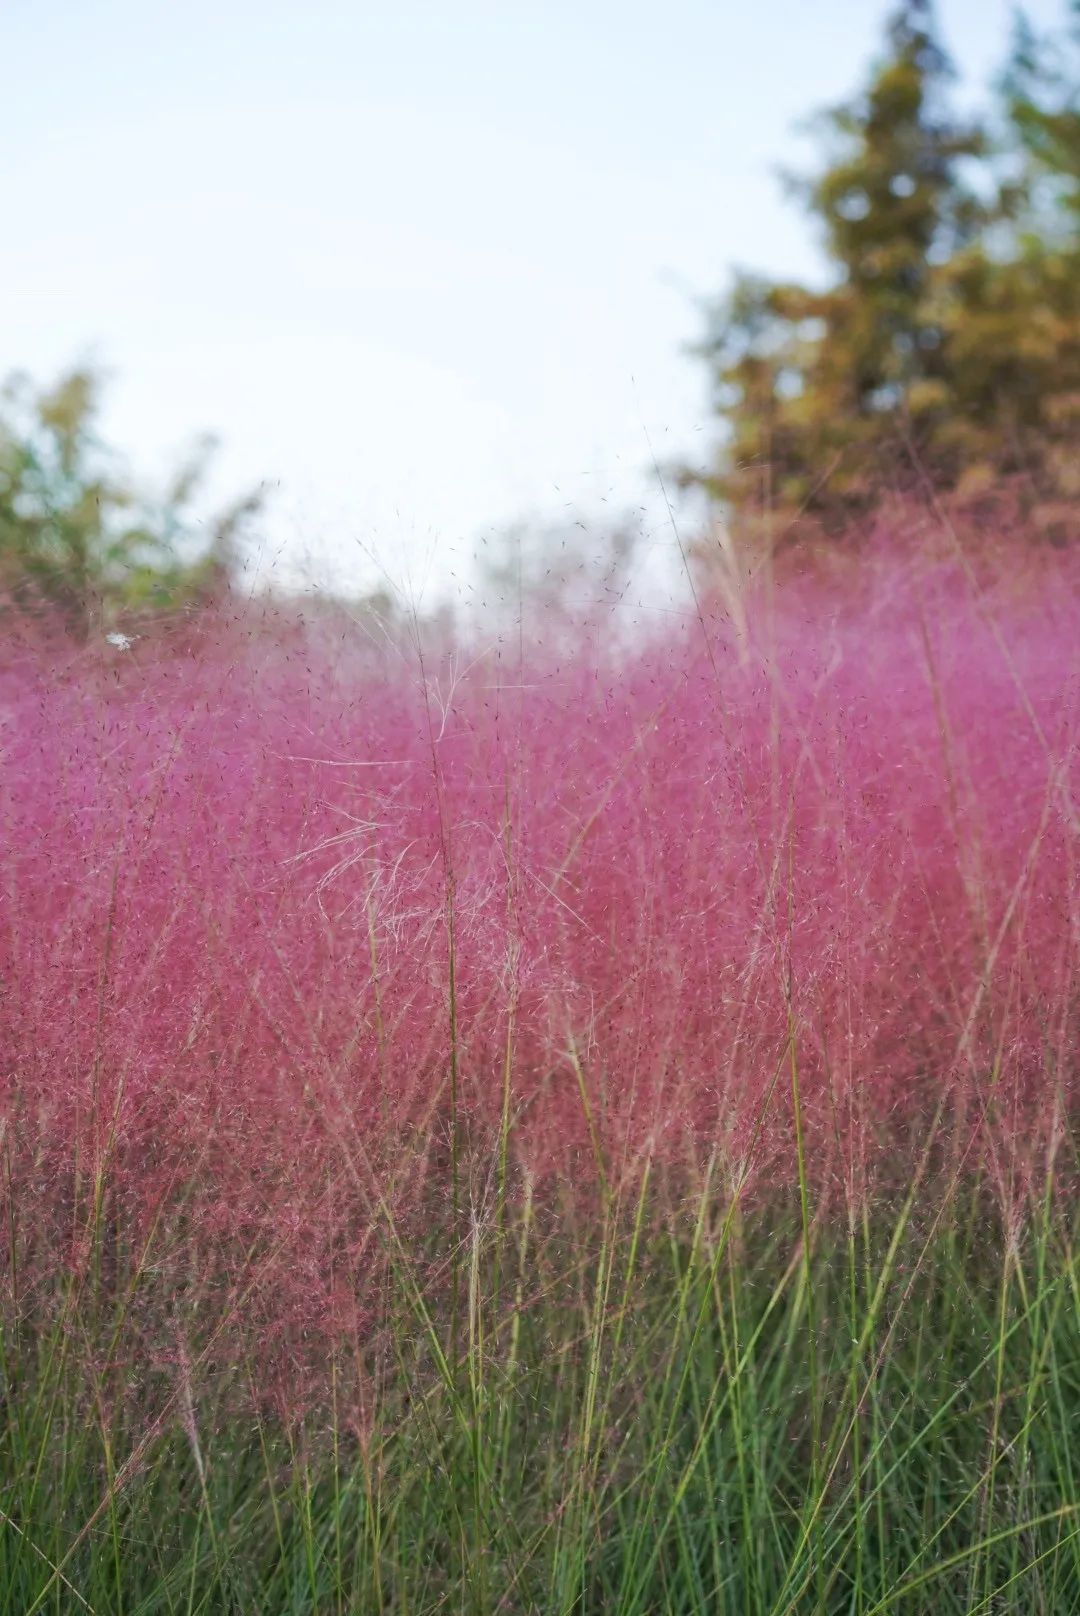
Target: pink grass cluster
(277, 910)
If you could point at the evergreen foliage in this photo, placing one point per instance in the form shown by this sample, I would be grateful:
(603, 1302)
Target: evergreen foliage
(946, 346)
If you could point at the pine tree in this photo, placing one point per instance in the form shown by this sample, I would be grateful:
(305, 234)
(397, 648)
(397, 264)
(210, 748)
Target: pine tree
(825, 393)
(1009, 304)
(946, 349)
(1042, 92)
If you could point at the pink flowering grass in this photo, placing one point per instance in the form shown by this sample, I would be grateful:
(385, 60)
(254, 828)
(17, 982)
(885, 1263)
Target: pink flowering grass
(294, 929)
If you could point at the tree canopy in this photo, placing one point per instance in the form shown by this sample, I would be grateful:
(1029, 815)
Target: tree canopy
(78, 537)
(945, 347)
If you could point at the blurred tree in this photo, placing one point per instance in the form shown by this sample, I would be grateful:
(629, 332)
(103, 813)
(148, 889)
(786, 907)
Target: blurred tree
(947, 347)
(1042, 93)
(1014, 318)
(75, 535)
(813, 384)
(546, 583)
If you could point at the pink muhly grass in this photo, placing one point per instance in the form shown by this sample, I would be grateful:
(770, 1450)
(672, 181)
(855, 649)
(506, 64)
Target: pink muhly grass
(223, 940)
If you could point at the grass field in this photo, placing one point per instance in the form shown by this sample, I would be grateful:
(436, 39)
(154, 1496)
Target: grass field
(548, 1129)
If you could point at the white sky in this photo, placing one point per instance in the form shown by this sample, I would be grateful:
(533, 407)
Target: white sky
(428, 265)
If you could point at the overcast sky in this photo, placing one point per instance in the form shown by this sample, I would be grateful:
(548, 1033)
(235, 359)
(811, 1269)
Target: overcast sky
(425, 265)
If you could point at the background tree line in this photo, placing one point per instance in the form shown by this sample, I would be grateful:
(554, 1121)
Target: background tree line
(79, 537)
(942, 354)
(944, 350)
